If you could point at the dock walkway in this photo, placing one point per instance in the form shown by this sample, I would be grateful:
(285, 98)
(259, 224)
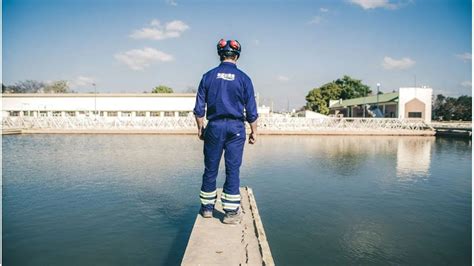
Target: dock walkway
(214, 243)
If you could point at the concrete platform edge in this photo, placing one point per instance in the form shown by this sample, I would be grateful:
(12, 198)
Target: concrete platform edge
(260, 232)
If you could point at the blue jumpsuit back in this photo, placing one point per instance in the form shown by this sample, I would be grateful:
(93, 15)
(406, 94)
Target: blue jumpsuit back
(228, 94)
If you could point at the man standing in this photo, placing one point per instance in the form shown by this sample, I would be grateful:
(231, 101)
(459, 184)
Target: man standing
(227, 91)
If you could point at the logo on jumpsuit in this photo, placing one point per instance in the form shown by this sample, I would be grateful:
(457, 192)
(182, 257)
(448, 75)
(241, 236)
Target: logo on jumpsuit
(226, 76)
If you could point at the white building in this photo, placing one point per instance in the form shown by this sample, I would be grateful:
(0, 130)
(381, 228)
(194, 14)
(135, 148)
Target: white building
(102, 104)
(412, 103)
(415, 103)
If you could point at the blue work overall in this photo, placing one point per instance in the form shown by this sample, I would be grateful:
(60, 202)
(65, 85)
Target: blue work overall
(223, 136)
(226, 91)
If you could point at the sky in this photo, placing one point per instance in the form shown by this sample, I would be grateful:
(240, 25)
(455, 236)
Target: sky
(288, 47)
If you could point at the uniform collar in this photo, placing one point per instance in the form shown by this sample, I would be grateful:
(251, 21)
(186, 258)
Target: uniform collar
(228, 64)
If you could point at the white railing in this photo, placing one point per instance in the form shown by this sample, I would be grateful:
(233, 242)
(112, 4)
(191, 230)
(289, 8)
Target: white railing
(341, 124)
(188, 123)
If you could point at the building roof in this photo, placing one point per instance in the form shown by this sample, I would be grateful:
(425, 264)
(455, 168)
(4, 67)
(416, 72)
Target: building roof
(383, 98)
(98, 94)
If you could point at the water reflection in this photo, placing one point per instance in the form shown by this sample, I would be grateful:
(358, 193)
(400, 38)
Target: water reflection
(347, 155)
(414, 157)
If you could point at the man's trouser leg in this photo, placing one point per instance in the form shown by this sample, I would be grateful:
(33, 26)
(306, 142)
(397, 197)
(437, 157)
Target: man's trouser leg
(213, 147)
(234, 147)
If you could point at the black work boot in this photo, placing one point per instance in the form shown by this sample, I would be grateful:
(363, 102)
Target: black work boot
(206, 213)
(233, 217)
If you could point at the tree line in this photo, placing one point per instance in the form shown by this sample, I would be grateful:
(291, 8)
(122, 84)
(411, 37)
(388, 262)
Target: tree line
(34, 86)
(62, 86)
(166, 89)
(451, 108)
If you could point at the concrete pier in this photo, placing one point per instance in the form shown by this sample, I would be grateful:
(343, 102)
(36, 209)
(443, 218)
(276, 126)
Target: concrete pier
(214, 243)
(461, 130)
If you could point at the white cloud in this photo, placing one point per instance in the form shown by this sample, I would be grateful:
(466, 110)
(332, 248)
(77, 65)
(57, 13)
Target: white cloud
(176, 25)
(172, 2)
(157, 31)
(467, 84)
(465, 56)
(155, 23)
(137, 59)
(391, 63)
(372, 4)
(319, 18)
(82, 81)
(283, 78)
(315, 20)
(257, 42)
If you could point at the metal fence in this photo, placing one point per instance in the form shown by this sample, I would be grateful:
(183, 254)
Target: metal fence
(187, 123)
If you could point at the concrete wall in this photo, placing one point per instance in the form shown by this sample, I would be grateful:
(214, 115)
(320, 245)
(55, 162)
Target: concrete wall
(107, 104)
(103, 102)
(406, 95)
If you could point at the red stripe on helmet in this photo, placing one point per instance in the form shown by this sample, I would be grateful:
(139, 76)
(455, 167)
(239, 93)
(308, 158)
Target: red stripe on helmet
(222, 43)
(234, 44)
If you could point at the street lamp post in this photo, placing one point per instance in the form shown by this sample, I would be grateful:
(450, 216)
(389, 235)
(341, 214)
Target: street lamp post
(363, 105)
(95, 99)
(378, 88)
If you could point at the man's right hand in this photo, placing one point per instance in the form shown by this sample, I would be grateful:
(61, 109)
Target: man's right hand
(252, 138)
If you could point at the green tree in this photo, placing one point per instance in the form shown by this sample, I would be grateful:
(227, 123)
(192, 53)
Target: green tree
(27, 86)
(352, 88)
(463, 110)
(162, 89)
(59, 86)
(318, 99)
(450, 108)
(438, 107)
(344, 88)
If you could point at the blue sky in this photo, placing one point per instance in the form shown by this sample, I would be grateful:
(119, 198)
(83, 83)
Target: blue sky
(288, 47)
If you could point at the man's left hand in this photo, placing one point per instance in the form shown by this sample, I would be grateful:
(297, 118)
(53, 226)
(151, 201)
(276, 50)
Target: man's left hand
(252, 138)
(201, 133)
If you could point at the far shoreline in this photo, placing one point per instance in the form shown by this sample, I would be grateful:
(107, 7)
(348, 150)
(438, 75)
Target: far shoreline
(193, 132)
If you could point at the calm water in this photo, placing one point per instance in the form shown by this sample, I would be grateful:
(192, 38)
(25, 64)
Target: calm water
(132, 199)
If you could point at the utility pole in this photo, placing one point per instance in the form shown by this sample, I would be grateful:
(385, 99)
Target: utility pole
(272, 106)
